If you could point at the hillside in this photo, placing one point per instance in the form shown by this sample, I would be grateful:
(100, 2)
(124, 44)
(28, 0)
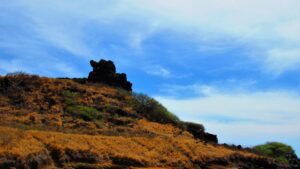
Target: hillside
(95, 122)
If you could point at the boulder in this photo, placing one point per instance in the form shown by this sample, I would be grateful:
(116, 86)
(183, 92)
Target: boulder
(198, 131)
(211, 138)
(105, 72)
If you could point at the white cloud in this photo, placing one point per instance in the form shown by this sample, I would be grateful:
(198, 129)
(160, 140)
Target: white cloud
(46, 67)
(290, 30)
(280, 60)
(200, 89)
(264, 25)
(259, 106)
(158, 70)
(242, 117)
(64, 38)
(13, 66)
(179, 90)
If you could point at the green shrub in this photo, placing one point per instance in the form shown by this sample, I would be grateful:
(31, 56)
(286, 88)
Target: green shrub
(275, 150)
(282, 160)
(69, 97)
(152, 109)
(73, 108)
(110, 108)
(85, 112)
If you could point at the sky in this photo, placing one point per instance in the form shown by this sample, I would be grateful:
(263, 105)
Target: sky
(232, 65)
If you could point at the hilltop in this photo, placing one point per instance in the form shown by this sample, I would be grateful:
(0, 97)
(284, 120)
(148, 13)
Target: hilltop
(99, 123)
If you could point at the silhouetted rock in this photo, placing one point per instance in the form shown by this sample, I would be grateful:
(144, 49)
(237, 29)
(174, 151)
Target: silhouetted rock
(105, 72)
(211, 138)
(196, 129)
(198, 132)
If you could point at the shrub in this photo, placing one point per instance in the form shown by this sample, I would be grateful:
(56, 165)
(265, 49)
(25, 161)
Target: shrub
(69, 97)
(73, 108)
(152, 109)
(18, 73)
(16, 85)
(85, 112)
(110, 108)
(276, 150)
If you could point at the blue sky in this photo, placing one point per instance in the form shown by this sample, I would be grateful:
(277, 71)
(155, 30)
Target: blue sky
(232, 65)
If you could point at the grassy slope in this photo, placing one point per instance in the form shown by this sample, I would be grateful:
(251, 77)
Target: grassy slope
(38, 131)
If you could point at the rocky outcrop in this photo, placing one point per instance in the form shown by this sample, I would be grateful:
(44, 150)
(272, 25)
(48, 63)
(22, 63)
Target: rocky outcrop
(198, 131)
(238, 161)
(293, 160)
(105, 72)
(211, 138)
(33, 161)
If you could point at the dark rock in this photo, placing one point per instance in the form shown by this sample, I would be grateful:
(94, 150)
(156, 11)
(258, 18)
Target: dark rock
(33, 161)
(82, 156)
(242, 162)
(211, 138)
(198, 131)
(219, 161)
(105, 72)
(80, 80)
(58, 157)
(38, 160)
(127, 161)
(293, 161)
(6, 163)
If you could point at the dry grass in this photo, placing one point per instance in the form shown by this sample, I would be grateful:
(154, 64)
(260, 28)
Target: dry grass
(44, 107)
(38, 123)
(159, 151)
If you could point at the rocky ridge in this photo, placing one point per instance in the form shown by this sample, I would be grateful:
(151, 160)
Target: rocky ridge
(93, 124)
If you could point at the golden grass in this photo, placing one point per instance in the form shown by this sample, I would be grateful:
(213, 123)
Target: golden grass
(40, 125)
(157, 151)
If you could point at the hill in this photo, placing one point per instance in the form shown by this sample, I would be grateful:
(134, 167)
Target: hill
(99, 123)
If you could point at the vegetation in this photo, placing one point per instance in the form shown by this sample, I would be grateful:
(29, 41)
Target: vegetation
(144, 152)
(15, 85)
(18, 73)
(152, 109)
(69, 97)
(276, 150)
(55, 124)
(85, 112)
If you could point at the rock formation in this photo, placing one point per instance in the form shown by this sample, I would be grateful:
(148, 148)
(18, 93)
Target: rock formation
(103, 130)
(105, 72)
(198, 132)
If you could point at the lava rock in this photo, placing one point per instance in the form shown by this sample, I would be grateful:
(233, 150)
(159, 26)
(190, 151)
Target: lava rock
(294, 161)
(105, 72)
(211, 138)
(198, 131)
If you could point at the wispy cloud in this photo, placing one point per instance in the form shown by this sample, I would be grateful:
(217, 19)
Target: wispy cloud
(270, 28)
(265, 24)
(242, 117)
(253, 106)
(157, 70)
(205, 90)
(281, 60)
